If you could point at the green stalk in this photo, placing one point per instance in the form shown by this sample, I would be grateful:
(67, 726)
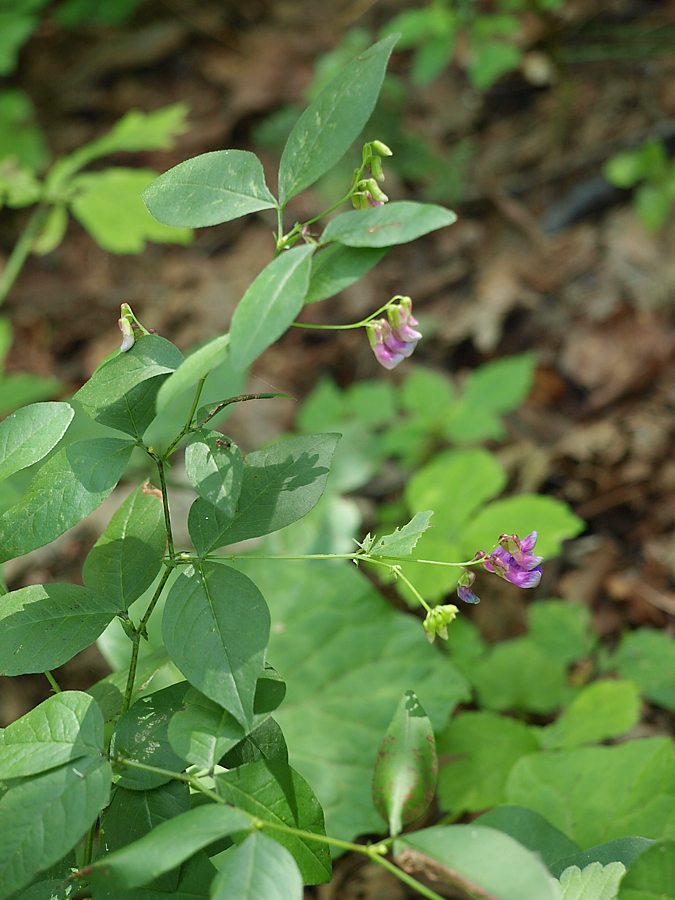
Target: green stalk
(21, 251)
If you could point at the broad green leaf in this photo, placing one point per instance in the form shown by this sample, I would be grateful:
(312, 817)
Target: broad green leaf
(595, 882)
(192, 369)
(30, 433)
(69, 486)
(426, 393)
(194, 877)
(532, 831)
(135, 411)
(280, 485)
(587, 793)
(62, 728)
(209, 189)
(501, 385)
(132, 814)
(141, 735)
(270, 304)
(402, 541)
(552, 518)
(64, 802)
(127, 557)
(625, 850)
(108, 205)
(602, 710)
(334, 635)
(167, 846)
(647, 657)
(336, 267)
(404, 779)
(214, 468)
(216, 627)
(54, 889)
(563, 628)
(371, 403)
(265, 742)
(477, 752)
(486, 862)
(258, 869)
(202, 732)
(333, 121)
(518, 674)
(150, 356)
(384, 226)
(652, 875)
(42, 626)
(273, 791)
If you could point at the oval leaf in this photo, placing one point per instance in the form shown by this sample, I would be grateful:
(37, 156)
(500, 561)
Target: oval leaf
(214, 468)
(384, 226)
(193, 368)
(202, 732)
(30, 433)
(336, 267)
(270, 304)
(209, 189)
(258, 869)
(216, 628)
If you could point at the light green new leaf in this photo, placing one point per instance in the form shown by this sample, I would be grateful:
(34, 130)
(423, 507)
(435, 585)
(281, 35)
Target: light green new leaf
(108, 205)
(501, 385)
(214, 468)
(402, 541)
(258, 869)
(209, 189)
(336, 267)
(216, 627)
(333, 121)
(273, 791)
(404, 778)
(604, 709)
(270, 304)
(281, 484)
(193, 368)
(62, 728)
(202, 732)
(384, 226)
(141, 735)
(652, 875)
(65, 802)
(42, 626)
(126, 558)
(30, 433)
(485, 862)
(594, 882)
(167, 846)
(69, 486)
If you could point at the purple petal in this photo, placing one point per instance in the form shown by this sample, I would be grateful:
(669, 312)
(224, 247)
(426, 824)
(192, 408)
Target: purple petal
(465, 593)
(522, 578)
(528, 542)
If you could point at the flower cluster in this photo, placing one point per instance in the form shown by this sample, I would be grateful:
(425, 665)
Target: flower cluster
(512, 559)
(437, 620)
(394, 339)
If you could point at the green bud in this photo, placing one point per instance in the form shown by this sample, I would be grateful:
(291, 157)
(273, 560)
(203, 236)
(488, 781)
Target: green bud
(380, 148)
(376, 168)
(437, 621)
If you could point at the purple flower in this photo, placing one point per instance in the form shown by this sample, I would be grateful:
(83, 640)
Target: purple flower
(394, 339)
(402, 321)
(514, 561)
(464, 591)
(521, 550)
(385, 346)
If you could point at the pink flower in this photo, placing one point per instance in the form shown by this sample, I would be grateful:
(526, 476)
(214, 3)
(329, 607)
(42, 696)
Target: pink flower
(394, 339)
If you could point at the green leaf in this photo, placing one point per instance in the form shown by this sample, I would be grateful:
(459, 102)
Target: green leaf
(270, 304)
(150, 356)
(42, 626)
(426, 393)
(132, 814)
(127, 557)
(488, 863)
(216, 627)
(141, 735)
(653, 205)
(404, 779)
(502, 385)
(167, 845)
(65, 802)
(133, 412)
(595, 881)
(332, 122)
(334, 635)
(647, 657)
(384, 226)
(264, 742)
(62, 728)
(214, 468)
(602, 710)
(532, 831)
(625, 850)
(20, 136)
(69, 486)
(16, 26)
(403, 540)
(563, 628)
(192, 369)
(258, 869)
(280, 485)
(21, 388)
(553, 519)
(595, 794)
(336, 267)
(480, 749)
(202, 732)
(209, 189)
(273, 791)
(30, 433)
(108, 205)
(652, 875)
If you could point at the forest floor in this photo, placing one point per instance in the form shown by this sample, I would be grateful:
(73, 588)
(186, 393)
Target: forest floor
(545, 257)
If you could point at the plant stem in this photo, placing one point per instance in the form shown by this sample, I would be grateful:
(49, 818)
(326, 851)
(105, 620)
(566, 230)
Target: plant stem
(346, 327)
(165, 504)
(240, 399)
(188, 425)
(20, 251)
(413, 883)
(54, 683)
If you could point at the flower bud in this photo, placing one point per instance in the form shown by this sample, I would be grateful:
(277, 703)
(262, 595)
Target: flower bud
(127, 329)
(437, 620)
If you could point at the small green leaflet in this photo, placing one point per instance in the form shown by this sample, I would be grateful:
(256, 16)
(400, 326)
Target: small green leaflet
(402, 541)
(30, 433)
(214, 467)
